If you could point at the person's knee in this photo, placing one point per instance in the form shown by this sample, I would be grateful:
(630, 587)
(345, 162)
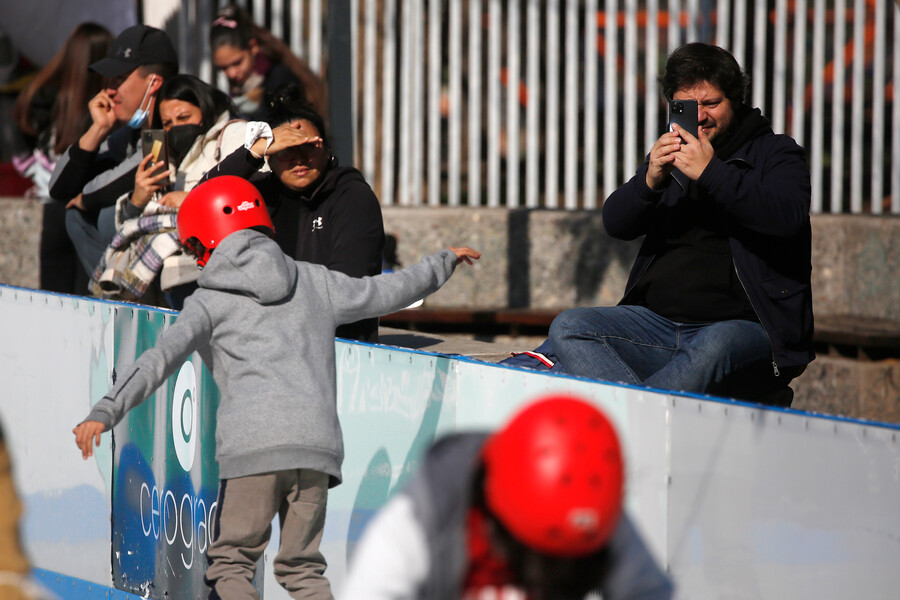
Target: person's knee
(568, 324)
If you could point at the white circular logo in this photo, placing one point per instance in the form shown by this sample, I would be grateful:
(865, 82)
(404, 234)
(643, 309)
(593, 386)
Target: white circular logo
(185, 416)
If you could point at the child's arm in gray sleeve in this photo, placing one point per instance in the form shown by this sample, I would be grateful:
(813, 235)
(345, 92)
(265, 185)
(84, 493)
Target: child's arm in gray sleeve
(355, 299)
(138, 382)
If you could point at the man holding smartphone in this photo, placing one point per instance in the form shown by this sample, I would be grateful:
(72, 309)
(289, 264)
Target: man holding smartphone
(94, 172)
(718, 300)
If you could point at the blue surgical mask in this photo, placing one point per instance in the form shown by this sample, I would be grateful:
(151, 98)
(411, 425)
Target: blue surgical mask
(140, 115)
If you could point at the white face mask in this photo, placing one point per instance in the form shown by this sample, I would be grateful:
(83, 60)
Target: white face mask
(140, 115)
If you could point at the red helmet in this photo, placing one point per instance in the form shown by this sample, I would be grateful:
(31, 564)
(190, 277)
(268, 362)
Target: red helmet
(216, 208)
(554, 477)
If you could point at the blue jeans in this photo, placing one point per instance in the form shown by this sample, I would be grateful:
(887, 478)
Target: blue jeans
(634, 345)
(89, 236)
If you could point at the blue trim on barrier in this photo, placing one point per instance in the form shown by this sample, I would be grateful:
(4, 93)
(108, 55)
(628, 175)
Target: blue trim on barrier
(72, 588)
(122, 303)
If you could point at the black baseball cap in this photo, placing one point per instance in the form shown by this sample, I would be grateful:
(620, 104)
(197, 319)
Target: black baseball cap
(138, 45)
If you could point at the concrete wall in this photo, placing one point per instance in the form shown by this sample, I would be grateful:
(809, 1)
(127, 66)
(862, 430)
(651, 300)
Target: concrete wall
(556, 259)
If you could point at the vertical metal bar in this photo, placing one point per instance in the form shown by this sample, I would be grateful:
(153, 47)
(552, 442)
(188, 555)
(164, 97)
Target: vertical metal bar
(495, 29)
(315, 35)
(454, 118)
(817, 141)
(296, 31)
(856, 107)
(837, 108)
(277, 28)
(723, 19)
(693, 14)
(340, 81)
(388, 81)
(369, 57)
(759, 55)
(434, 102)
(259, 13)
(417, 114)
(513, 78)
(591, 104)
(572, 62)
(673, 39)
(739, 48)
(355, 43)
(629, 95)
(610, 104)
(798, 99)
(651, 70)
(551, 128)
(184, 28)
(474, 116)
(532, 123)
(406, 101)
(206, 71)
(895, 119)
(779, 67)
(878, 68)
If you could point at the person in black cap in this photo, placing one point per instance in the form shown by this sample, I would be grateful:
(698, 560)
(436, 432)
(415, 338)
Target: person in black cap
(100, 167)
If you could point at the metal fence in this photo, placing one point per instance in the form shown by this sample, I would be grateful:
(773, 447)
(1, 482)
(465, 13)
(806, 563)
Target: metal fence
(553, 103)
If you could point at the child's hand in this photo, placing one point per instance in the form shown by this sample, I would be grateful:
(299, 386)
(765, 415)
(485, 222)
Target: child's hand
(88, 432)
(465, 255)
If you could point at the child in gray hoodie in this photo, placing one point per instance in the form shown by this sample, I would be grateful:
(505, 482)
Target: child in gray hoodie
(264, 326)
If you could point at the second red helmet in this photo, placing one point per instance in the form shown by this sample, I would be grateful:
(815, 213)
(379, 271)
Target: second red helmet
(217, 208)
(554, 477)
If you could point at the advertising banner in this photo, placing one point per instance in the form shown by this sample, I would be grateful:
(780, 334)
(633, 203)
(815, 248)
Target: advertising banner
(165, 477)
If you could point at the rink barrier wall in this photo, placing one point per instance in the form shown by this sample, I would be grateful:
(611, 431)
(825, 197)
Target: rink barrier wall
(735, 500)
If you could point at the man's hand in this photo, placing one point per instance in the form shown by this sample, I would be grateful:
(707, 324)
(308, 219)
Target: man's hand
(465, 255)
(694, 154)
(76, 202)
(86, 433)
(662, 159)
(103, 119)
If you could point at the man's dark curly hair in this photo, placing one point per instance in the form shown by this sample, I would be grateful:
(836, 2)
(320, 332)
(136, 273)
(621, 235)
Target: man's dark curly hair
(697, 62)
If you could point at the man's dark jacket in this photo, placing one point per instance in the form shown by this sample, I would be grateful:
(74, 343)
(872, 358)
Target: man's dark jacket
(763, 192)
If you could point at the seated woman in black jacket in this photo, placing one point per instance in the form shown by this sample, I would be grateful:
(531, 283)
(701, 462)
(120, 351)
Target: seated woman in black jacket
(323, 213)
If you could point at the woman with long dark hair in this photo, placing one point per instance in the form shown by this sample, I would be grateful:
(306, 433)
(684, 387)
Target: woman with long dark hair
(200, 129)
(52, 113)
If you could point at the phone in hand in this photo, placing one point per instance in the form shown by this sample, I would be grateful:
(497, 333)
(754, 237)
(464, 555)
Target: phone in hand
(684, 113)
(153, 141)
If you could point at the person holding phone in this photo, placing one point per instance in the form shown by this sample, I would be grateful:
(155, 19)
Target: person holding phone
(144, 261)
(718, 300)
(94, 171)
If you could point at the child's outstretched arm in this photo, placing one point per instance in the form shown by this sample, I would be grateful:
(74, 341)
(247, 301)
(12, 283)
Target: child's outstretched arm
(87, 432)
(354, 299)
(139, 381)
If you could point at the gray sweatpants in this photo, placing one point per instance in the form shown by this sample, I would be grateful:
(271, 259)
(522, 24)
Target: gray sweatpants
(246, 507)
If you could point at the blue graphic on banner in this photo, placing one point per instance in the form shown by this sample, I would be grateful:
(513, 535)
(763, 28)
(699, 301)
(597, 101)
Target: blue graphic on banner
(165, 476)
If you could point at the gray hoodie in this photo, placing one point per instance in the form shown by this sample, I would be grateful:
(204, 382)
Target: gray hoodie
(264, 326)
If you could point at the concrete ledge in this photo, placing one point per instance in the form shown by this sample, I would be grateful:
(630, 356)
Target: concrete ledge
(20, 239)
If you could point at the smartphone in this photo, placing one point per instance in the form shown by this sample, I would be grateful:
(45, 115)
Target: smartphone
(153, 141)
(684, 113)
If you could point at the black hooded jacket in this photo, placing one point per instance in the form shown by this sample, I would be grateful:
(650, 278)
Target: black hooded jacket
(338, 224)
(760, 192)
